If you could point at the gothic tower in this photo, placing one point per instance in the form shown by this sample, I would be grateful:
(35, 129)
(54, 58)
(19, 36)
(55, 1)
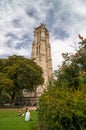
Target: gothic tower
(41, 53)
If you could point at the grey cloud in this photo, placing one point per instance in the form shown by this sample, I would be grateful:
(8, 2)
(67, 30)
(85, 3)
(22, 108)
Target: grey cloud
(11, 38)
(16, 23)
(25, 37)
(24, 42)
(50, 18)
(32, 12)
(20, 45)
(62, 19)
(58, 22)
(60, 33)
(9, 43)
(5, 3)
(11, 35)
(13, 41)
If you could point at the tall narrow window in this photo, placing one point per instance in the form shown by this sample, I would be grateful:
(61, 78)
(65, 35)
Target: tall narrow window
(39, 50)
(36, 50)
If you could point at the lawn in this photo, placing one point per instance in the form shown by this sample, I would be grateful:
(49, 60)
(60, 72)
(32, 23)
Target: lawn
(9, 120)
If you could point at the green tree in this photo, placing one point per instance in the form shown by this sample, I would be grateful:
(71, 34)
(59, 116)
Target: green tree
(72, 73)
(5, 83)
(23, 73)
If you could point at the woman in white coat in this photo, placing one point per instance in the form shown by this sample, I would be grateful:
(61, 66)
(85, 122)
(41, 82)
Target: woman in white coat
(27, 115)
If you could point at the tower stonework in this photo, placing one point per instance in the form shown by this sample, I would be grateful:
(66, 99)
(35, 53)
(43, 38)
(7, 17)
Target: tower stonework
(41, 53)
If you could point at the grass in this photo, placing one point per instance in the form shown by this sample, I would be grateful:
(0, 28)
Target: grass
(9, 120)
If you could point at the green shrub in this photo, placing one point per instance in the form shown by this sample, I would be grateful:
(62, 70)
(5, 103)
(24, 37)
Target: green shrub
(62, 109)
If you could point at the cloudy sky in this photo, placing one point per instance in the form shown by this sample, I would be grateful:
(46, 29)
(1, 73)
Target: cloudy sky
(64, 19)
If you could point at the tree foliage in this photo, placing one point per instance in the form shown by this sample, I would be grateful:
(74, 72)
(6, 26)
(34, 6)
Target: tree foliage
(62, 109)
(21, 74)
(72, 73)
(63, 106)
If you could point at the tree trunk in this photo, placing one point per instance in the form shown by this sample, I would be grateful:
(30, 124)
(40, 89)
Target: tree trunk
(12, 99)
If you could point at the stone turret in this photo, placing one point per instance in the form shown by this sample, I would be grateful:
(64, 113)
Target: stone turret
(41, 53)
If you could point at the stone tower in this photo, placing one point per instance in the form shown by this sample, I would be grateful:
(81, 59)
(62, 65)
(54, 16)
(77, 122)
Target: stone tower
(41, 53)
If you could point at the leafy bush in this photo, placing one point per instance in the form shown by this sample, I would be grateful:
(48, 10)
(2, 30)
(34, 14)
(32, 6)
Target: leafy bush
(62, 109)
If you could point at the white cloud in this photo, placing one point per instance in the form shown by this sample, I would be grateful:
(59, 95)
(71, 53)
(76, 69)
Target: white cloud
(61, 46)
(64, 19)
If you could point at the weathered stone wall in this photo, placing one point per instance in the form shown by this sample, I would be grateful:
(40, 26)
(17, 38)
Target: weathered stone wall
(41, 53)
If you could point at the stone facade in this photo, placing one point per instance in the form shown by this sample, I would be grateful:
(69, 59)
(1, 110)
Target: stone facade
(41, 53)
